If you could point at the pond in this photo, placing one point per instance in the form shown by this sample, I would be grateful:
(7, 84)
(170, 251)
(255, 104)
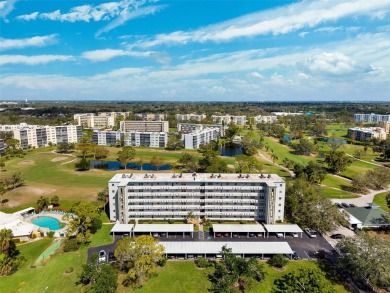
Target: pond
(114, 165)
(231, 149)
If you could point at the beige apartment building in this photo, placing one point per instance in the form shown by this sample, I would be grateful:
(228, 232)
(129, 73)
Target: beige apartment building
(145, 126)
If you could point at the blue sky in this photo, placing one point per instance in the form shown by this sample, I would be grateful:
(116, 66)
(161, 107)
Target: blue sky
(193, 50)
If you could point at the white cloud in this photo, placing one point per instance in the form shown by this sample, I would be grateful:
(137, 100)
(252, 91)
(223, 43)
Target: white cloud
(107, 54)
(28, 17)
(39, 41)
(127, 15)
(283, 20)
(329, 29)
(303, 34)
(333, 64)
(6, 8)
(32, 60)
(218, 90)
(256, 74)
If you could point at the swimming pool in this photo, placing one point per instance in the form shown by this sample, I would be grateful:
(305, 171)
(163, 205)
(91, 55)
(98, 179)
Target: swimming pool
(47, 222)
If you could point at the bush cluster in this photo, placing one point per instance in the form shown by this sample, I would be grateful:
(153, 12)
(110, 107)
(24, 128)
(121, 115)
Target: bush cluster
(201, 262)
(70, 245)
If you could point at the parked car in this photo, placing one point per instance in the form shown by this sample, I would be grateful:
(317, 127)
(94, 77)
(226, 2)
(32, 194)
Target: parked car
(311, 233)
(163, 234)
(190, 256)
(235, 235)
(218, 235)
(259, 234)
(295, 255)
(352, 205)
(345, 205)
(252, 235)
(226, 234)
(294, 235)
(102, 256)
(171, 256)
(279, 235)
(337, 236)
(339, 205)
(155, 235)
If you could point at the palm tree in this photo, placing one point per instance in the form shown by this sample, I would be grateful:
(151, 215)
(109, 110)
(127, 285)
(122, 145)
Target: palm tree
(6, 241)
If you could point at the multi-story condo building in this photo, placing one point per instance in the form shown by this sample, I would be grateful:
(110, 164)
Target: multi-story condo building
(385, 125)
(12, 127)
(151, 116)
(215, 196)
(131, 138)
(183, 128)
(145, 126)
(265, 119)
(2, 148)
(227, 119)
(115, 115)
(89, 120)
(40, 136)
(189, 117)
(371, 118)
(287, 113)
(365, 134)
(194, 140)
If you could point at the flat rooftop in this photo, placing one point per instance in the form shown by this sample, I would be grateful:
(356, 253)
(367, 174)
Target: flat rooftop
(210, 247)
(159, 228)
(125, 178)
(122, 228)
(283, 228)
(238, 228)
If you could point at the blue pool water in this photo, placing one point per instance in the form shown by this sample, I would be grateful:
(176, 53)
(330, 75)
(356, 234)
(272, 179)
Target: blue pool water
(47, 222)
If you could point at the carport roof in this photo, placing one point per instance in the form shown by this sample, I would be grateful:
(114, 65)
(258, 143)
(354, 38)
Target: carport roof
(124, 228)
(283, 228)
(212, 247)
(163, 228)
(238, 228)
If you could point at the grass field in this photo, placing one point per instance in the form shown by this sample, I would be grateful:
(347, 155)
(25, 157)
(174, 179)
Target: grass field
(335, 193)
(184, 276)
(52, 275)
(380, 199)
(357, 167)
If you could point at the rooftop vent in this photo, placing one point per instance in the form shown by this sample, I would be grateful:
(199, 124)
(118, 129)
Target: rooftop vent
(269, 176)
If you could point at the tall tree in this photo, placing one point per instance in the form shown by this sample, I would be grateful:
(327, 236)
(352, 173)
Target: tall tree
(126, 155)
(188, 162)
(231, 131)
(80, 225)
(7, 245)
(306, 206)
(42, 203)
(365, 256)
(304, 280)
(157, 161)
(337, 161)
(139, 257)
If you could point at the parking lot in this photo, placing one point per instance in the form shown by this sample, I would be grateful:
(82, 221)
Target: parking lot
(305, 246)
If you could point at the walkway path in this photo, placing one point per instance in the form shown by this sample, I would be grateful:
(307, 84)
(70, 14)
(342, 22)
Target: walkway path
(201, 232)
(363, 200)
(375, 164)
(69, 155)
(276, 164)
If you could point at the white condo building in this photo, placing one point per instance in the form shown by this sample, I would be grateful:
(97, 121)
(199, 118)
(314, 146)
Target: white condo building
(371, 118)
(131, 138)
(265, 119)
(183, 128)
(40, 136)
(89, 120)
(151, 116)
(145, 126)
(194, 140)
(227, 119)
(189, 117)
(215, 196)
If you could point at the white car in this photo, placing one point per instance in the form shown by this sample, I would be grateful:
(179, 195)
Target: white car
(294, 235)
(102, 256)
(311, 233)
(279, 235)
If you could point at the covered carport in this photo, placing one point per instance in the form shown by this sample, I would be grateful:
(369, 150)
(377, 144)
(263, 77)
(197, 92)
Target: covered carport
(213, 249)
(164, 228)
(239, 229)
(283, 228)
(122, 229)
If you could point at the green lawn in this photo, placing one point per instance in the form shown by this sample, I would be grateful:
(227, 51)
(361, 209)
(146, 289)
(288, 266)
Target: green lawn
(52, 275)
(357, 167)
(184, 276)
(337, 182)
(335, 193)
(380, 199)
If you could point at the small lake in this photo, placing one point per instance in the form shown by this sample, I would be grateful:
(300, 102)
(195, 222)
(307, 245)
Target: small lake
(114, 165)
(231, 150)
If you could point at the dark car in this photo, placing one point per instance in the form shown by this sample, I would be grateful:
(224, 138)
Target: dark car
(295, 255)
(163, 234)
(252, 235)
(345, 205)
(226, 234)
(352, 205)
(337, 236)
(218, 234)
(339, 205)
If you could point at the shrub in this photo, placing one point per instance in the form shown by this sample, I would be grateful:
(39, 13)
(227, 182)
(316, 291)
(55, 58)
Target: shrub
(243, 222)
(70, 245)
(69, 270)
(278, 261)
(96, 224)
(131, 221)
(170, 221)
(201, 262)
(50, 234)
(162, 262)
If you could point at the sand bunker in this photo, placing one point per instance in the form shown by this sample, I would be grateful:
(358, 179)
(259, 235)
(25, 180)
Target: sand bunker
(25, 162)
(58, 159)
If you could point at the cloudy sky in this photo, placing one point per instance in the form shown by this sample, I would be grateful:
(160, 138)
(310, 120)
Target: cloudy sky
(192, 50)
